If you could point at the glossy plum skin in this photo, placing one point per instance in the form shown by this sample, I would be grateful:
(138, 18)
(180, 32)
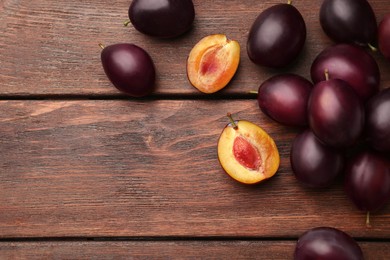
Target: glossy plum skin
(284, 98)
(384, 36)
(277, 36)
(327, 243)
(367, 181)
(163, 18)
(336, 115)
(378, 121)
(349, 21)
(350, 63)
(129, 68)
(314, 164)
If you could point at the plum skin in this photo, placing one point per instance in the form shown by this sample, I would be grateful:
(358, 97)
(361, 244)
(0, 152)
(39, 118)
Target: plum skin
(284, 98)
(350, 63)
(336, 115)
(384, 36)
(367, 180)
(163, 18)
(378, 121)
(130, 69)
(277, 36)
(313, 163)
(327, 243)
(349, 21)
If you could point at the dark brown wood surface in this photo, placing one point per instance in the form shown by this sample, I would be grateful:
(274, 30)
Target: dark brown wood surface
(278, 250)
(81, 162)
(51, 47)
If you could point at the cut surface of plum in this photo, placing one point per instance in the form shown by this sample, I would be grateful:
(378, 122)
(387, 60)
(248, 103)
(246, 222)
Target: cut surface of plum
(247, 153)
(212, 63)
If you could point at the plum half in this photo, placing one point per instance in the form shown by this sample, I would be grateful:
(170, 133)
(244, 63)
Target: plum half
(212, 63)
(247, 153)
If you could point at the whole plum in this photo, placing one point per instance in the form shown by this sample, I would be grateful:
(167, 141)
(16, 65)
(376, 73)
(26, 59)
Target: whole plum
(327, 243)
(130, 69)
(277, 36)
(313, 163)
(336, 115)
(350, 63)
(378, 120)
(163, 18)
(349, 21)
(284, 98)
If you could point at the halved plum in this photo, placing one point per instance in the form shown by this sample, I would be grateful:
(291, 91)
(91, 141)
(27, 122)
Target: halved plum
(247, 153)
(213, 62)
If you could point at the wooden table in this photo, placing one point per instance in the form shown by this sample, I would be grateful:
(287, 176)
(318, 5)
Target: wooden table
(88, 173)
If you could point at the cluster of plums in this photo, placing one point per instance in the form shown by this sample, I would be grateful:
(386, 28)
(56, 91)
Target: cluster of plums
(345, 115)
(128, 66)
(341, 110)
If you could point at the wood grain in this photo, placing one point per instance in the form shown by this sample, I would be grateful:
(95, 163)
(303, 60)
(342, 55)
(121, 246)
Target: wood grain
(277, 250)
(149, 168)
(86, 164)
(51, 47)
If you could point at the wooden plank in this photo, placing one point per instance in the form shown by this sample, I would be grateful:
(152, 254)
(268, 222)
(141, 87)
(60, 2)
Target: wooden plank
(168, 250)
(150, 168)
(51, 47)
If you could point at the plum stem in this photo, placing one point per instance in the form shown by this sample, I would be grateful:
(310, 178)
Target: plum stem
(229, 115)
(368, 219)
(289, 2)
(253, 92)
(126, 23)
(101, 46)
(372, 47)
(326, 74)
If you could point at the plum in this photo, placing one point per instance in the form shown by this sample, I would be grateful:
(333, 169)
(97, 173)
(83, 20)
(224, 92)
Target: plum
(163, 18)
(384, 36)
(277, 36)
(247, 153)
(378, 121)
(130, 68)
(367, 181)
(350, 63)
(327, 243)
(284, 98)
(336, 115)
(349, 21)
(213, 62)
(313, 163)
